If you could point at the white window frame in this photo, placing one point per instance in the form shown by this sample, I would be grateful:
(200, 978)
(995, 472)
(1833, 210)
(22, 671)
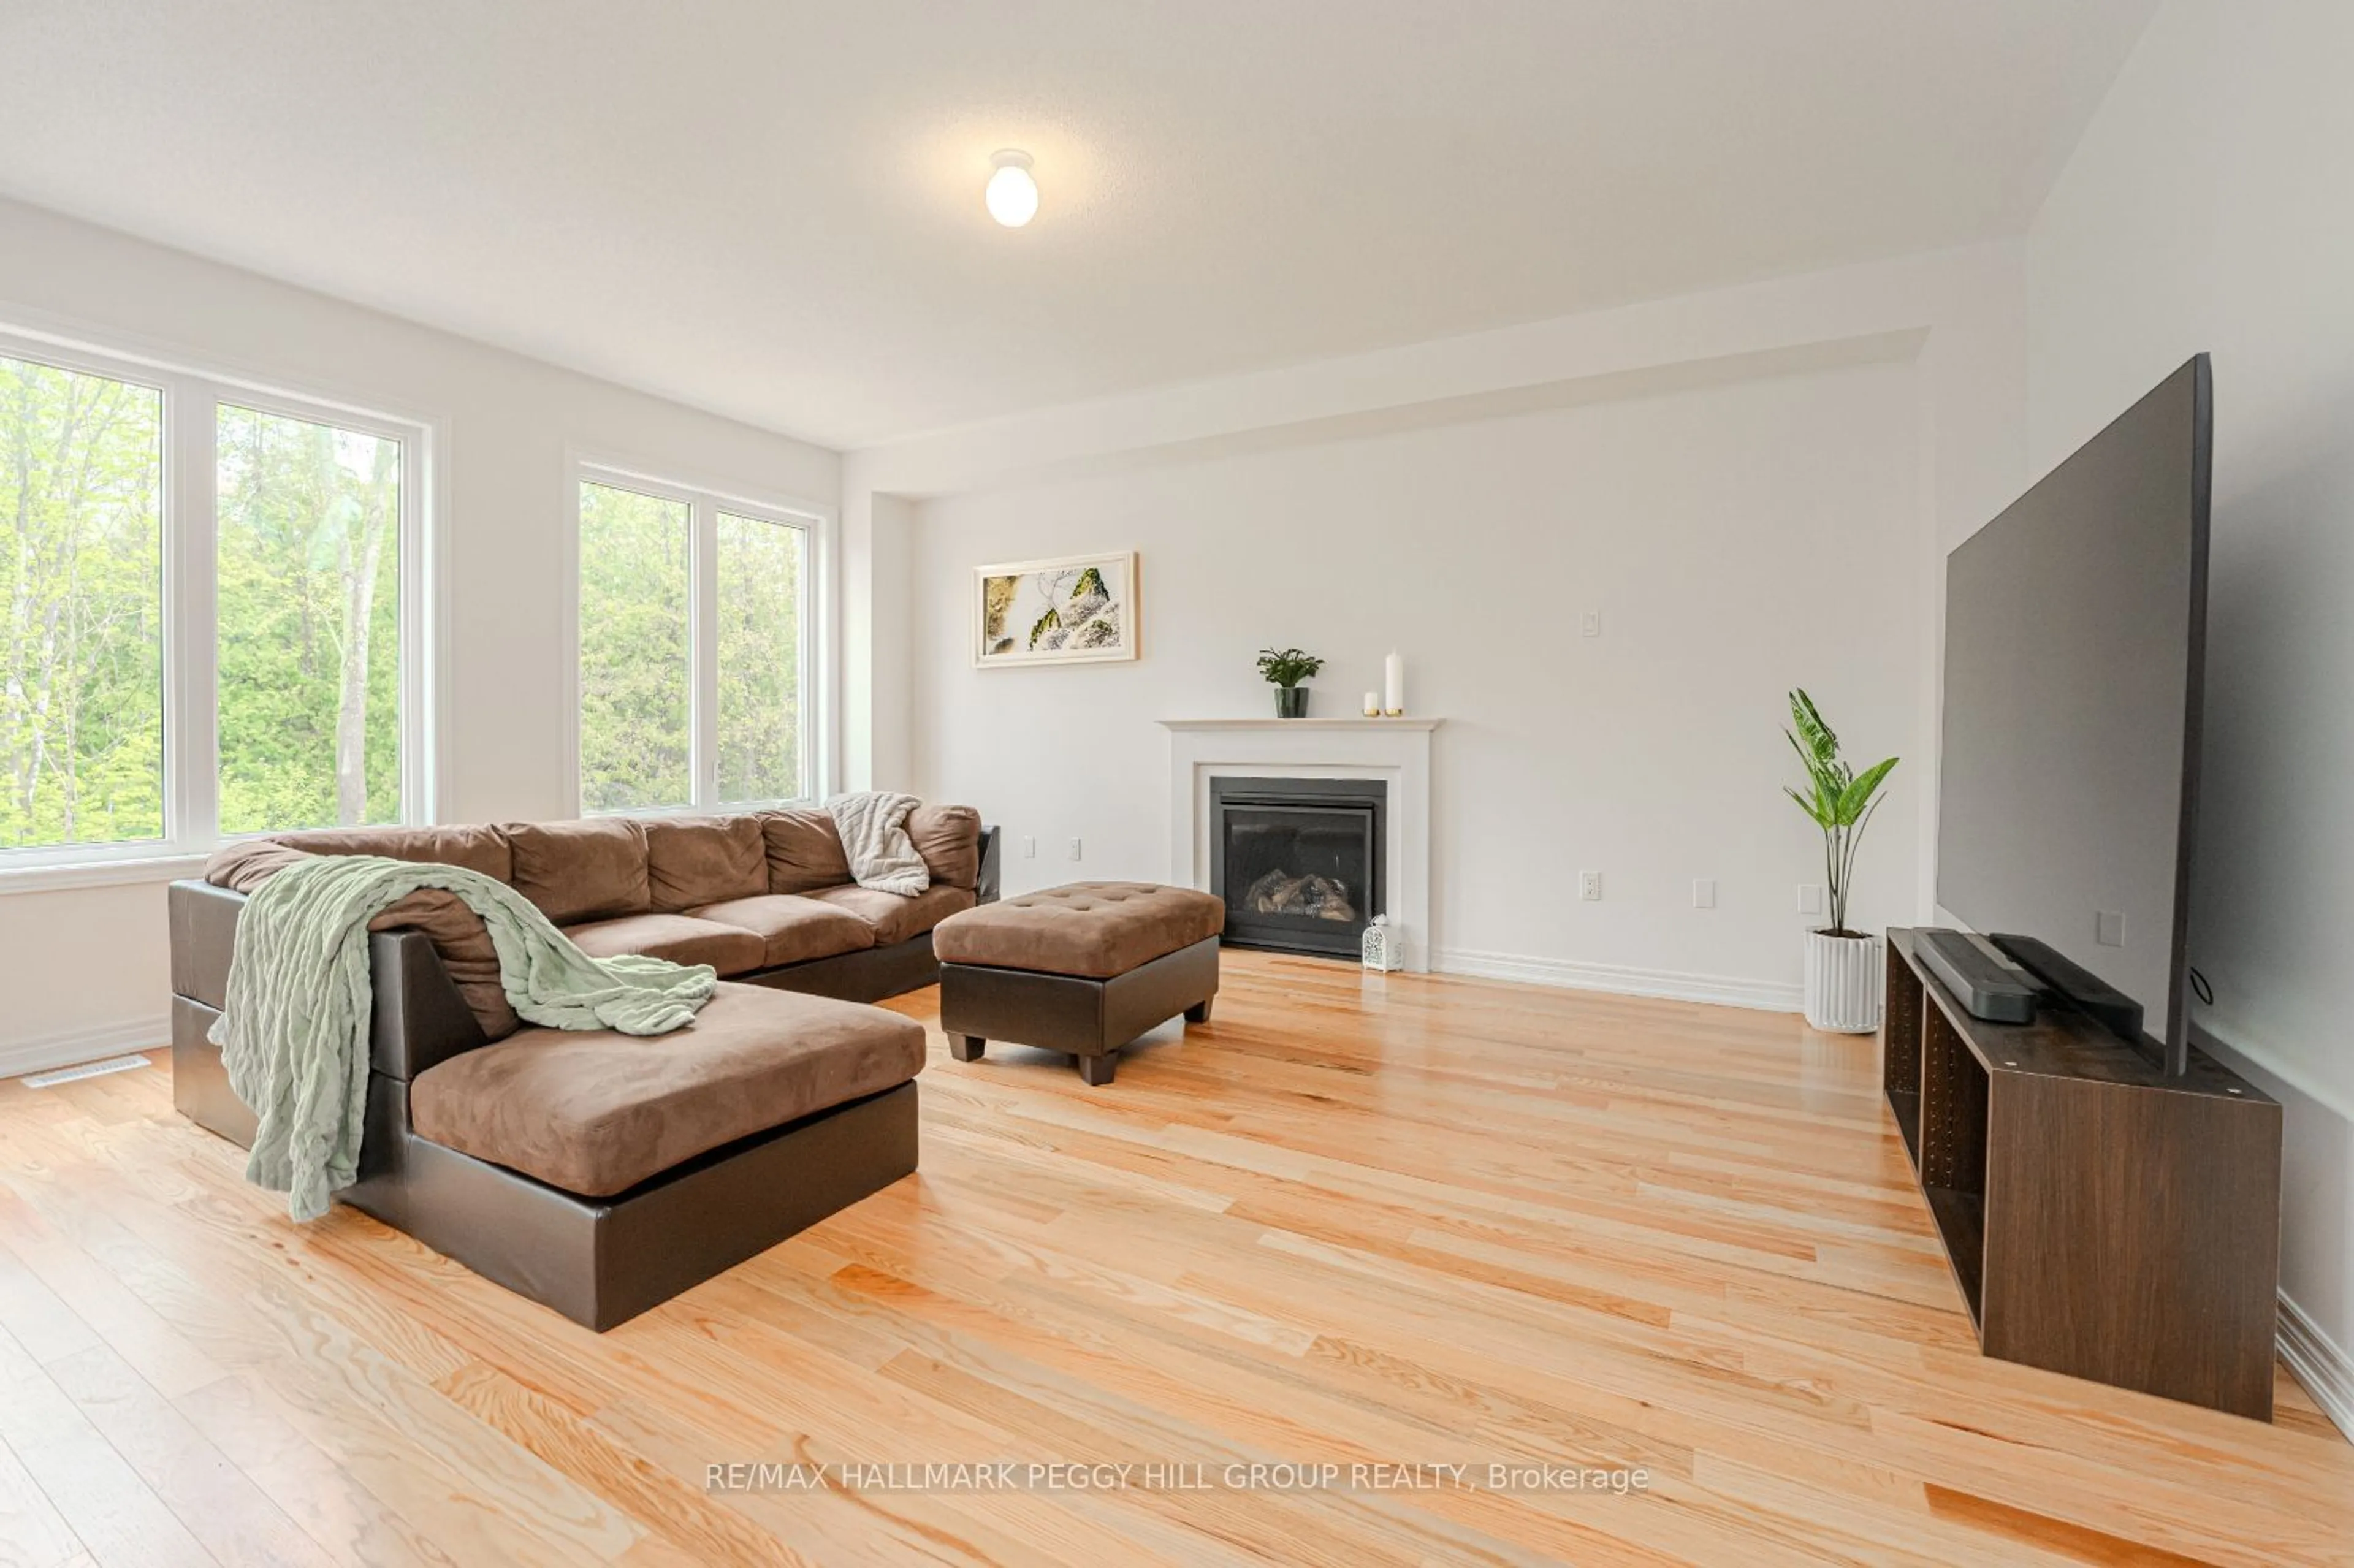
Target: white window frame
(192, 397)
(704, 501)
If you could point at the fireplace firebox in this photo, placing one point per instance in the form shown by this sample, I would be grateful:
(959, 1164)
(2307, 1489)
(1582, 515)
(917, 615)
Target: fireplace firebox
(1299, 861)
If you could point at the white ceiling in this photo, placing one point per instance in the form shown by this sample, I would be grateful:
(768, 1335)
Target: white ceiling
(773, 208)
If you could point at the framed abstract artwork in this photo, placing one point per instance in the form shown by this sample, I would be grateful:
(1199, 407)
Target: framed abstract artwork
(1076, 609)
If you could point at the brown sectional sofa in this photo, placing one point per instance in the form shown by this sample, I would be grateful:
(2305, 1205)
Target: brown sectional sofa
(597, 1172)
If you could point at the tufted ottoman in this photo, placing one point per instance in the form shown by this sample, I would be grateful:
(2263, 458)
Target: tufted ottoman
(1084, 968)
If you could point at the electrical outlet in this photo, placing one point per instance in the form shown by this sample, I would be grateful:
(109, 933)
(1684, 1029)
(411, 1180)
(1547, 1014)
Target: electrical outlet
(2109, 927)
(1704, 892)
(1029, 846)
(1074, 849)
(1810, 898)
(1591, 624)
(1589, 885)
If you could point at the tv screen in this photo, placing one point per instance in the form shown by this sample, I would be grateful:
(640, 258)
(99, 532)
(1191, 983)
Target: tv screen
(2075, 625)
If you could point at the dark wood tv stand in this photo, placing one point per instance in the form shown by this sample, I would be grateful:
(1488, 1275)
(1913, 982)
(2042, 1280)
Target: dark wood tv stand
(2102, 1219)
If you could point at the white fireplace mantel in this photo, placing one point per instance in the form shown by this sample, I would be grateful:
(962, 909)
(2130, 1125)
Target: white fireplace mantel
(1366, 725)
(1395, 751)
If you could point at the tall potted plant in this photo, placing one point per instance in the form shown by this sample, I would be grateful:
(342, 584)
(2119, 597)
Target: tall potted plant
(1285, 668)
(1842, 967)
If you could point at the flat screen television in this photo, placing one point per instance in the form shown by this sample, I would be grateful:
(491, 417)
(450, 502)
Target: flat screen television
(2075, 652)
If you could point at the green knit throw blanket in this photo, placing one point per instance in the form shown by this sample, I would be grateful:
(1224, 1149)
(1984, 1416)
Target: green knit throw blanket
(294, 1033)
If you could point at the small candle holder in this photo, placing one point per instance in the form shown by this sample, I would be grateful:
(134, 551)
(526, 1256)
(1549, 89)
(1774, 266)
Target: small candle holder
(1393, 713)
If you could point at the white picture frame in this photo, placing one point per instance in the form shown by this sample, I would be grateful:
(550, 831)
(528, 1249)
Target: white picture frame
(1023, 612)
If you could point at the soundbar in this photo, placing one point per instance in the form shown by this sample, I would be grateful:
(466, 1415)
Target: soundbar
(2106, 1005)
(1986, 983)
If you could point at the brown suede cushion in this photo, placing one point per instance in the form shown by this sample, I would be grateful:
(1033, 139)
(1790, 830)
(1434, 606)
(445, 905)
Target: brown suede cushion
(1094, 928)
(456, 932)
(892, 917)
(587, 870)
(702, 860)
(595, 1113)
(247, 864)
(796, 929)
(477, 847)
(681, 939)
(804, 849)
(948, 838)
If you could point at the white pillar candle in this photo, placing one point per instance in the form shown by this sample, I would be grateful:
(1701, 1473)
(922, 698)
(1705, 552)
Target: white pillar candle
(1394, 683)
(1372, 704)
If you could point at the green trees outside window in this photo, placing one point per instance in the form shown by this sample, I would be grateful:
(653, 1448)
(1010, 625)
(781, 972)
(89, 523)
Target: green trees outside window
(635, 692)
(762, 564)
(81, 650)
(304, 713)
(309, 615)
(691, 665)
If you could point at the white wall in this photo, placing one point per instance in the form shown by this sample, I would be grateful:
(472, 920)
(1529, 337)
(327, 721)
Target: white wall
(1959, 314)
(2205, 209)
(88, 966)
(1736, 539)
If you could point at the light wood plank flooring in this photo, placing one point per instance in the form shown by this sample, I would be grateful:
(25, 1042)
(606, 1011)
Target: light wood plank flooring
(1354, 1219)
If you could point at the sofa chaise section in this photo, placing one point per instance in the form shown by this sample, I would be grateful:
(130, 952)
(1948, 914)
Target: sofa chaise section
(596, 1112)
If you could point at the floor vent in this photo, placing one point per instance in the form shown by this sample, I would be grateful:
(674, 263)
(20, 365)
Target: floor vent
(87, 1070)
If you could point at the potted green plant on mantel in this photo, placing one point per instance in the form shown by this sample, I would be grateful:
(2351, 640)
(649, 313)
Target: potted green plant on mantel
(1285, 669)
(1842, 964)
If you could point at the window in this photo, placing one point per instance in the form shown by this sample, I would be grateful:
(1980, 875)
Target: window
(761, 564)
(82, 521)
(637, 740)
(211, 615)
(309, 609)
(694, 648)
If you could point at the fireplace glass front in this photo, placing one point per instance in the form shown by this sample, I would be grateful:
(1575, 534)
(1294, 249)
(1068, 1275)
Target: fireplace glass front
(1299, 861)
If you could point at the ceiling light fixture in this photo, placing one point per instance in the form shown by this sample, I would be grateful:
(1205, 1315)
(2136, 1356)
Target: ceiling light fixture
(1012, 194)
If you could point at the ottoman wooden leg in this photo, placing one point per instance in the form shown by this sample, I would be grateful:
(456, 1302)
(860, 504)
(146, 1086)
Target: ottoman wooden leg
(967, 1047)
(1097, 1071)
(1199, 1012)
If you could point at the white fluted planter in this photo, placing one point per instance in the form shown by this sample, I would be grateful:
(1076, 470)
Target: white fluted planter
(1842, 983)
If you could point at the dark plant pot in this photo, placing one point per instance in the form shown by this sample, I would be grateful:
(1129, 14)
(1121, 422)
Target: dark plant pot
(1291, 702)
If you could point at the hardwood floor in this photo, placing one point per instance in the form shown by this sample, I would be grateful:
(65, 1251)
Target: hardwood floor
(1354, 1219)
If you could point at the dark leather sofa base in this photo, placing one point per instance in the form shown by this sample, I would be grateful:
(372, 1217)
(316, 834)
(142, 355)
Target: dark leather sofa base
(1088, 1019)
(598, 1261)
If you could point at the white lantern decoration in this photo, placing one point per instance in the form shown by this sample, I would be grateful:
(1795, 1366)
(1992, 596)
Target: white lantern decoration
(1381, 945)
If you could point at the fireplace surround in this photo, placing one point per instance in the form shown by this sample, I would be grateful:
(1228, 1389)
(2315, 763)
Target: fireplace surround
(1394, 752)
(1300, 863)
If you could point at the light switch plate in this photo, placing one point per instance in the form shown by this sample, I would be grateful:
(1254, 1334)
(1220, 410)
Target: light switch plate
(1074, 849)
(1591, 625)
(2109, 927)
(1810, 898)
(1589, 885)
(1029, 846)
(1704, 892)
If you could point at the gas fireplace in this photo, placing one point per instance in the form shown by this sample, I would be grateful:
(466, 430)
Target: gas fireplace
(1299, 861)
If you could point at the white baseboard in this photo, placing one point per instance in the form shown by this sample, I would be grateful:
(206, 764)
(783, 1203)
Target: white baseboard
(65, 1048)
(2327, 1370)
(1723, 991)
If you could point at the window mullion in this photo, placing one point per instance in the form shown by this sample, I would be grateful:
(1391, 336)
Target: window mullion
(191, 422)
(419, 759)
(805, 705)
(703, 638)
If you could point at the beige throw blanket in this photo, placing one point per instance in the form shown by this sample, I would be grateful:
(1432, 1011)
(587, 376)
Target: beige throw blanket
(874, 828)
